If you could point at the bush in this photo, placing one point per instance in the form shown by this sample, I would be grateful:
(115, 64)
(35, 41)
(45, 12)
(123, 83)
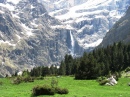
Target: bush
(39, 78)
(103, 82)
(54, 83)
(47, 90)
(61, 91)
(1, 83)
(116, 75)
(99, 79)
(27, 79)
(17, 80)
(127, 69)
(43, 90)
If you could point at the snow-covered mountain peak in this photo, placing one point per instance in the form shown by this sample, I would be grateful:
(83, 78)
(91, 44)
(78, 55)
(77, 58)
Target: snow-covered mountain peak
(9, 4)
(26, 37)
(91, 19)
(92, 7)
(30, 37)
(14, 1)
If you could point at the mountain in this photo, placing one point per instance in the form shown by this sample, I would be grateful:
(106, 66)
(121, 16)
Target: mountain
(52, 5)
(26, 37)
(119, 32)
(33, 33)
(90, 20)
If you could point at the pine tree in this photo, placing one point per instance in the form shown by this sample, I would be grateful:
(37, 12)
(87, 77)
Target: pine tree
(62, 69)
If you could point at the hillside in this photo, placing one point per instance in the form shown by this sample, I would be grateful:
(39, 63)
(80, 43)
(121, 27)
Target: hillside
(26, 38)
(90, 20)
(31, 35)
(119, 32)
(78, 88)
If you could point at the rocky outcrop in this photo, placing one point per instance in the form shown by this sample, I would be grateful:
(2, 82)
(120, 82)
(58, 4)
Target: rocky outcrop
(52, 5)
(111, 81)
(30, 37)
(27, 39)
(91, 20)
(119, 32)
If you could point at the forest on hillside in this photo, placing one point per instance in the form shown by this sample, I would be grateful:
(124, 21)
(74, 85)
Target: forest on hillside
(100, 62)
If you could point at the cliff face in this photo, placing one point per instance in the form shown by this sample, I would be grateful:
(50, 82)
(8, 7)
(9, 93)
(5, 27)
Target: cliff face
(30, 37)
(119, 32)
(91, 19)
(26, 38)
(52, 5)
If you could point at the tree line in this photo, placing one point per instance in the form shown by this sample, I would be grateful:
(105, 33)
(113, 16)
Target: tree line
(99, 62)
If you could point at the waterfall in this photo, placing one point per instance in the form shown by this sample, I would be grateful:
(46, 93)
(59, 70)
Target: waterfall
(72, 43)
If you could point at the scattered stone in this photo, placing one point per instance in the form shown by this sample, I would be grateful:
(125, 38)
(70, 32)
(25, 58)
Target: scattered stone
(129, 84)
(20, 73)
(108, 84)
(111, 81)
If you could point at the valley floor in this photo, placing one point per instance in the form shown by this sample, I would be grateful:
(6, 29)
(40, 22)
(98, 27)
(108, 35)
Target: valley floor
(77, 88)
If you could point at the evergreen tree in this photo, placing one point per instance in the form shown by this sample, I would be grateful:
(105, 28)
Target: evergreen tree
(68, 63)
(62, 69)
(53, 70)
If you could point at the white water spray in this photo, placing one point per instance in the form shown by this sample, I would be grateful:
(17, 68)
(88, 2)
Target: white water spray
(72, 43)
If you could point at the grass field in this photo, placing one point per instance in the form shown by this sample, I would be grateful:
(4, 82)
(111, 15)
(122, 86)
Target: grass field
(77, 88)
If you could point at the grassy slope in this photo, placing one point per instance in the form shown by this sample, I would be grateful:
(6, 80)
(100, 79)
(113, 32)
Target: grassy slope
(77, 88)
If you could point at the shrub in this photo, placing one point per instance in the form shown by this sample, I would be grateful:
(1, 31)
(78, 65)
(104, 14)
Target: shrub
(103, 82)
(1, 83)
(37, 90)
(99, 79)
(127, 69)
(39, 78)
(61, 91)
(117, 75)
(43, 90)
(17, 80)
(54, 83)
(47, 90)
(27, 79)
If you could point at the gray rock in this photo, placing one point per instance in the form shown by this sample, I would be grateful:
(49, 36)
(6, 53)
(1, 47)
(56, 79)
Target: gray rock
(112, 81)
(129, 84)
(119, 32)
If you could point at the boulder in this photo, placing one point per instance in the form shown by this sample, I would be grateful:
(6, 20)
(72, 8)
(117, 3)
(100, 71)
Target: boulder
(111, 81)
(129, 84)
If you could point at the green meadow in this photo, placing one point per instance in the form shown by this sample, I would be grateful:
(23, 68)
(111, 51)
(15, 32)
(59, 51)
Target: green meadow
(77, 88)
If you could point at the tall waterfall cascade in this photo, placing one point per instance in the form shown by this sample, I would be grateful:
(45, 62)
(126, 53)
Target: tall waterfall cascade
(72, 43)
